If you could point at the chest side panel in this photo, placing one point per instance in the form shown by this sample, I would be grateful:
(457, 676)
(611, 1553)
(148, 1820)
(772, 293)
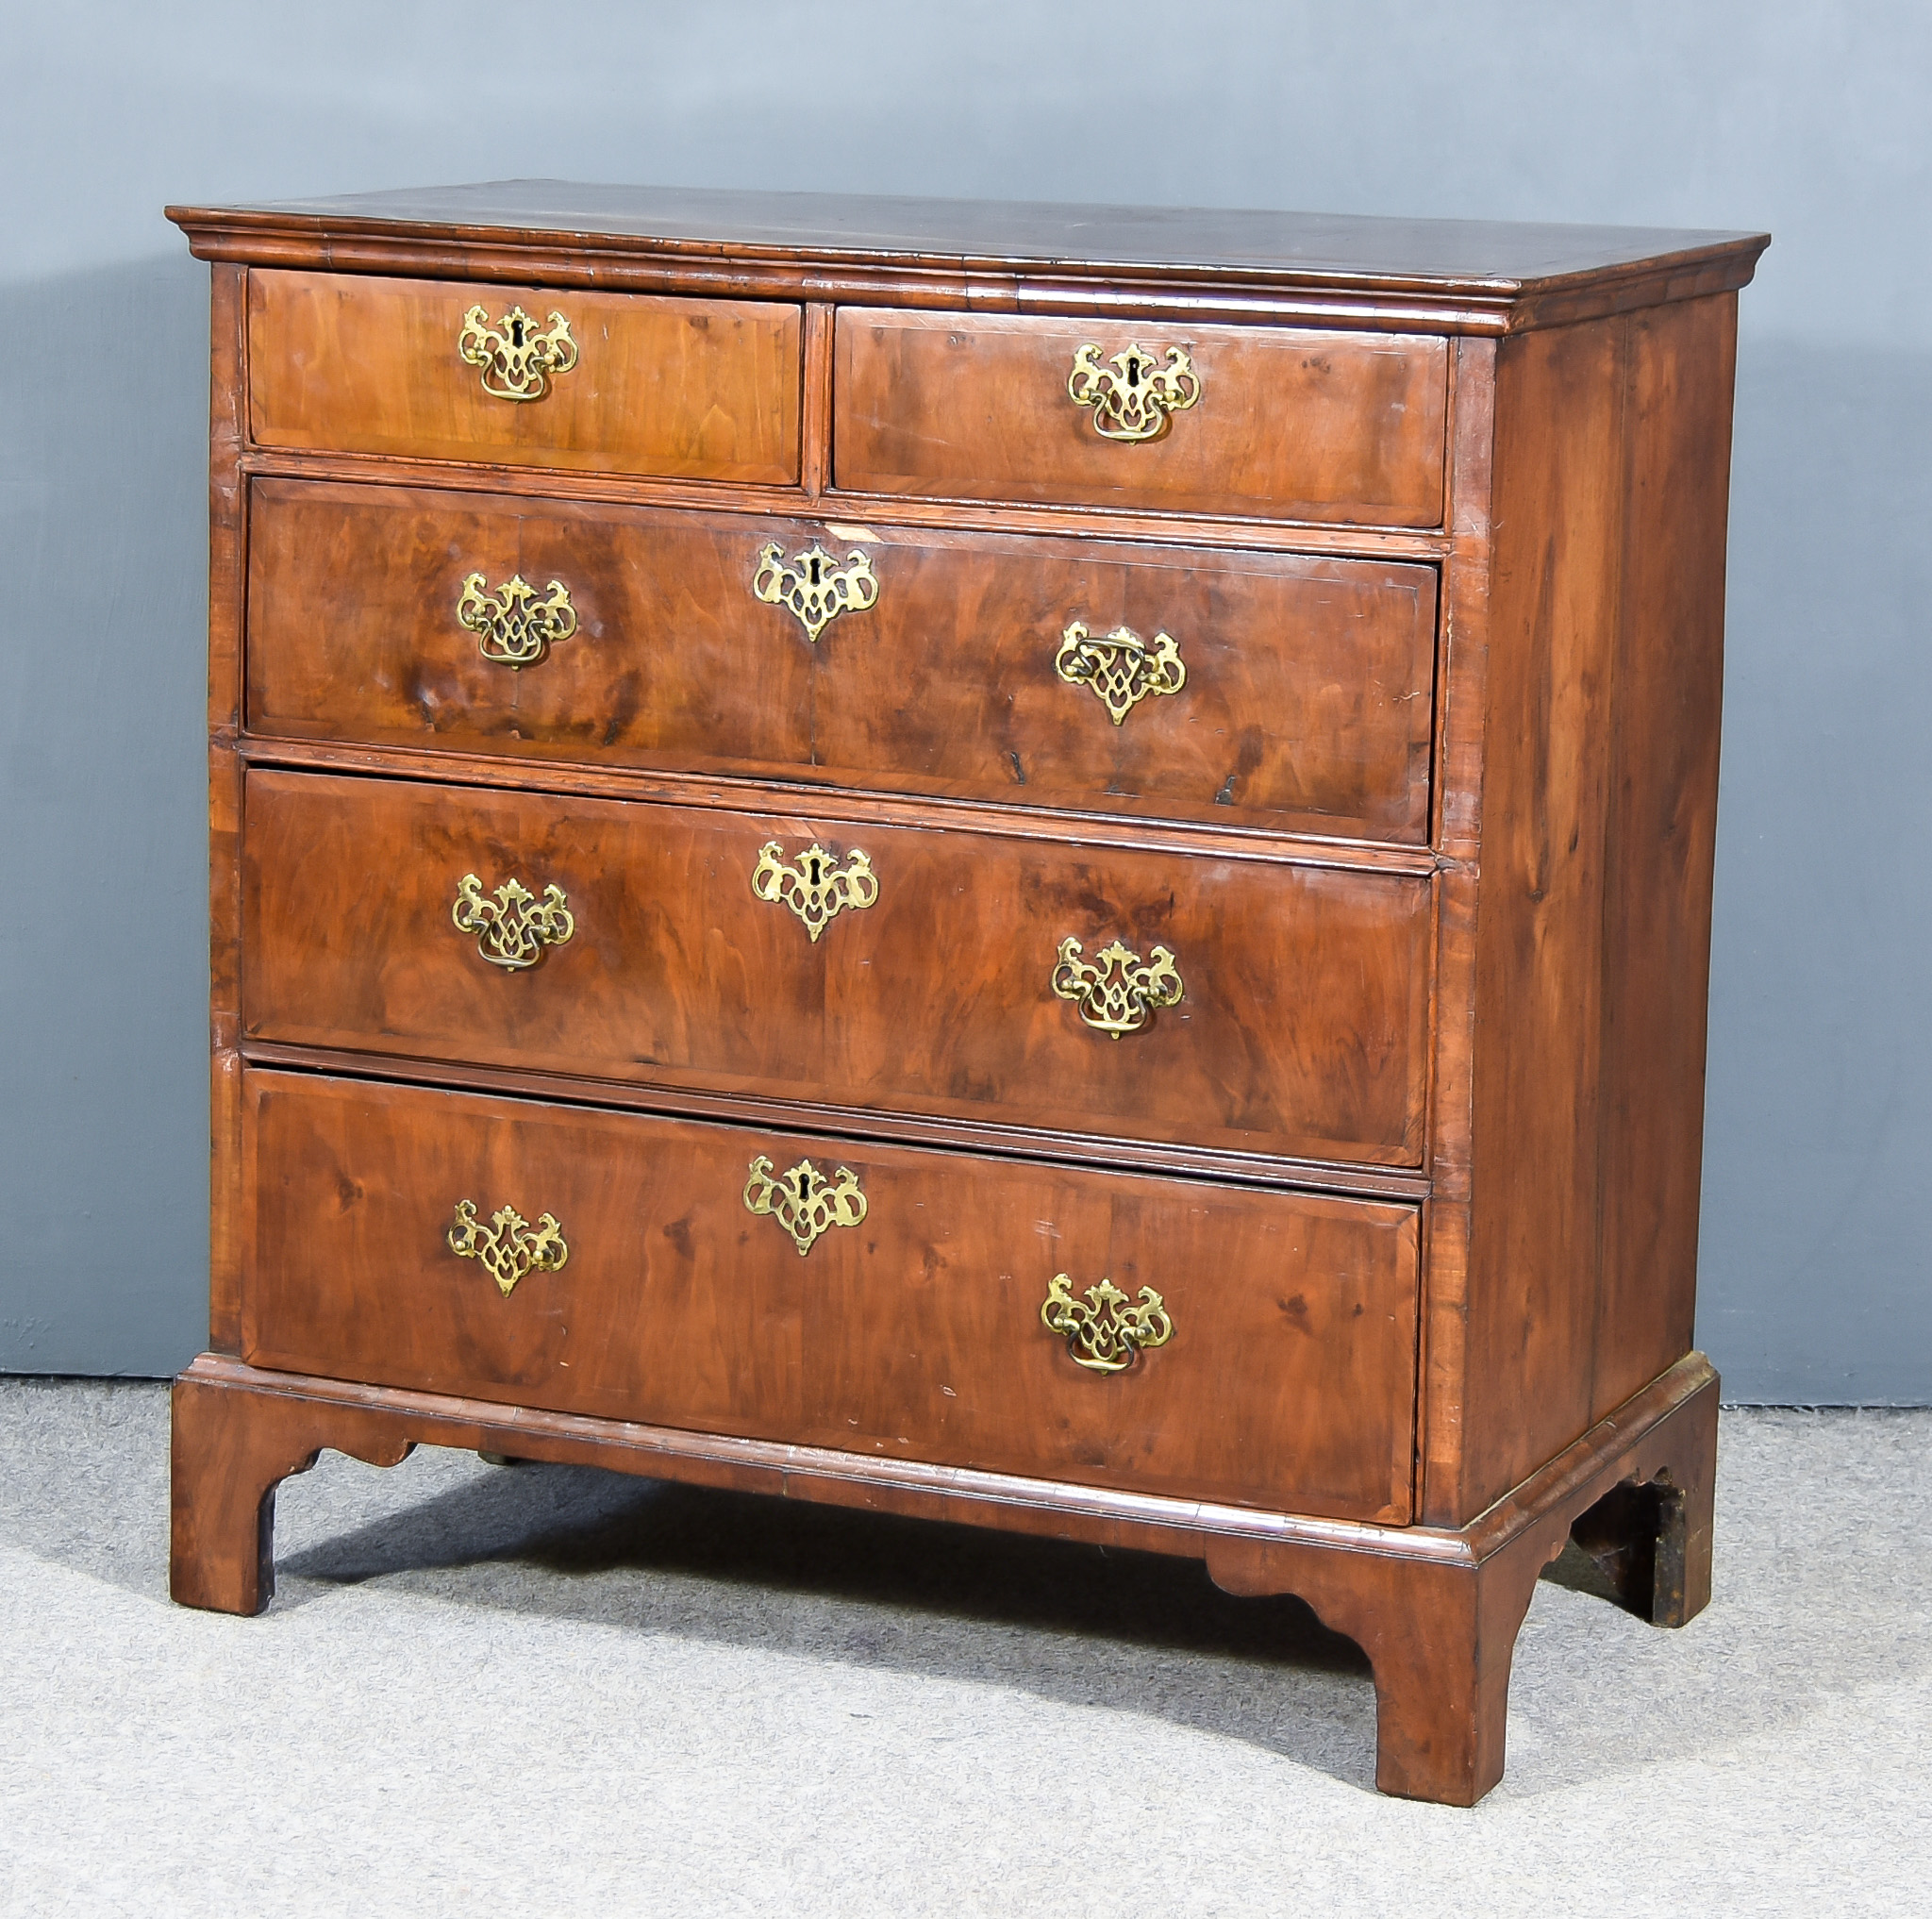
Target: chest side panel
(1593, 911)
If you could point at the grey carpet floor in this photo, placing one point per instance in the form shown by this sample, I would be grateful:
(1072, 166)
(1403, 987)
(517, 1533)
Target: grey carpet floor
(547, 1689)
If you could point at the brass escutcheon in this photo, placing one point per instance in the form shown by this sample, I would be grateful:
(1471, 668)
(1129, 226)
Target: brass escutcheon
(1133, 394)
(1119, 994)
(1102, 1331)
(1122, 669)
(513, 626)
(815, 885)
(803, 1200)
(512, 927)
(509, 1247)
(515, 354)
(814, 587)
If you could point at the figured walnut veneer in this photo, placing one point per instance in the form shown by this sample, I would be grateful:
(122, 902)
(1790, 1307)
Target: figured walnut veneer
(1393, 778)
(684, 389)
(1310, 681)
(975, 406)
(1315, 978)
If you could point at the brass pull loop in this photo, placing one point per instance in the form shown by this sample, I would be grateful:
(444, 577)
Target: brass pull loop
(1121, 992)
(513, 926)
(1100, 1335)
(1122, 669)
(513, 628)
(509, 1247)
(803, 1201)
(814, 587)
(815, 885)
(517, 359)
(1133, 394)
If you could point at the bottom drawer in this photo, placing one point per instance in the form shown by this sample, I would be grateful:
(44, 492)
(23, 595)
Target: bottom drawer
(668, 1287)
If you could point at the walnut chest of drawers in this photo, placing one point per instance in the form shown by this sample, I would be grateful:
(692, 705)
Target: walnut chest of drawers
(1046, 866)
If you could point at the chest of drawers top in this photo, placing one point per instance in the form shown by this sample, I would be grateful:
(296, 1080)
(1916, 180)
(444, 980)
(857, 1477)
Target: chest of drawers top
(1431, 276)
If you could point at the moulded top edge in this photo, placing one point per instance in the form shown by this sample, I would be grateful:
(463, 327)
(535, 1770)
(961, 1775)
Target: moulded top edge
(1485, 261)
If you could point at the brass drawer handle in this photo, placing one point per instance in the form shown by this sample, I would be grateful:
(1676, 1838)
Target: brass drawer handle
(513, 628)
(513, 926)
(815, 885)
(1099, 1334)
(803, 1200)
(1133, 394)
(1121, 992)
(1122, 669)
(814, 587)
(509, 1247)
(515, 354)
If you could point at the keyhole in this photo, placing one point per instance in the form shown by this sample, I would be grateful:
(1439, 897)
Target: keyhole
(1133, 370)
(516, 332)
(813, 868)
(813, 564)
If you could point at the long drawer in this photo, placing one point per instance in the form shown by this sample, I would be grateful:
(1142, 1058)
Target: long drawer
(1259, 1005)
(1271, 688)
(1277, 1365)
(621, 383)
(1272, 421)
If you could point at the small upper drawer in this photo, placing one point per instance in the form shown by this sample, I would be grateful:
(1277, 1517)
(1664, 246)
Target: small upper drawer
(1278, 423)
(602, 382)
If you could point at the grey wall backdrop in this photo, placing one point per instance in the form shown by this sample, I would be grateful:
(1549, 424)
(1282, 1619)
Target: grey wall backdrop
(1804, 117)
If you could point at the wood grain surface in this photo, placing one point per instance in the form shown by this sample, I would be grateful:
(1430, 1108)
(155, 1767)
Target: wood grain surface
(1289, 424)
(1308, 700)
(1599, 808)
(1463, 276)
(1301, 1031)
(915, 1334)
(695, 389)
(228, 526)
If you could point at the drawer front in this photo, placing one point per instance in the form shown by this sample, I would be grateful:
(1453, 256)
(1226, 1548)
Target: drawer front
(1286, 1376)
(1221, 686)
(1289, 1018)
(1284, 424)
(680, 389)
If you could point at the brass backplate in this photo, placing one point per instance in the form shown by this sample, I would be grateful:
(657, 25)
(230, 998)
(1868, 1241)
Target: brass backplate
(1133, 393)
(813, 586)
(513, 626)
(518, 358)
(816, 886)
(1121, 668)
(509, 1247)
(1117, 992)
(1102, 1330)
(512, 926)
(803, 1200)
